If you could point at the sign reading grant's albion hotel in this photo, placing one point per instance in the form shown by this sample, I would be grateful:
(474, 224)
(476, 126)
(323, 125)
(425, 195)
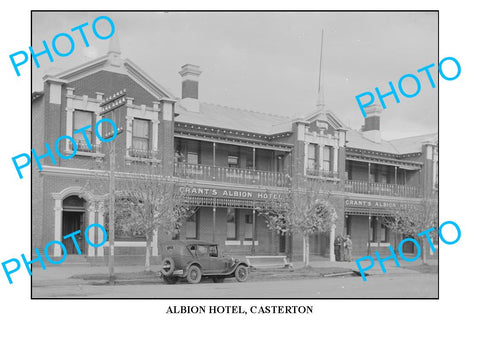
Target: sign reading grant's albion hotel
(209, 192)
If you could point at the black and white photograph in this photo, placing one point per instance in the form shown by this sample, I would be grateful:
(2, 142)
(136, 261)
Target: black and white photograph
(235, 155)
(238, 153)
(238, 170)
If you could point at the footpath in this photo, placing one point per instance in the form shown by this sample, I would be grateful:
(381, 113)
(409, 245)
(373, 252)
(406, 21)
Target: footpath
(81, 274)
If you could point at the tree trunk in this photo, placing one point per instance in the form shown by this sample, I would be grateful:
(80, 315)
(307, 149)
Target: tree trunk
(424, 251)
(396, 241)
(148, 254)
(306, 251)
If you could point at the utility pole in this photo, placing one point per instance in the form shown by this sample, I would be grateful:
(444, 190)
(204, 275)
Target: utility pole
(110, 104)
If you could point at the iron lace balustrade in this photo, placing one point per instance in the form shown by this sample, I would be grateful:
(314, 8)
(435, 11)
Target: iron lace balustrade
(83, 147)
(382, 189)
(232, 175)
(141, 153)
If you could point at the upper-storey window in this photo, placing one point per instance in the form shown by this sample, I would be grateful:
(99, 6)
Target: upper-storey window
(249, 162)
(82, 119)
(193, 151)
(232, 161)
(327, 158)
(192, 157)
(141, 138)
(187, 151)
(312, 156)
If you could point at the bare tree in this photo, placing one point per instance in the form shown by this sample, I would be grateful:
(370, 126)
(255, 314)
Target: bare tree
(146, 203)
(411, 219)
(303, 210)
(151, 204)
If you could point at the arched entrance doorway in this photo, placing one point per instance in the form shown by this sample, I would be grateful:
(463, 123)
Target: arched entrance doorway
(407, 247)
(73, 219)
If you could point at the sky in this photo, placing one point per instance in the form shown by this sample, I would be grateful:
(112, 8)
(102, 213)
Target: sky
(269, 61)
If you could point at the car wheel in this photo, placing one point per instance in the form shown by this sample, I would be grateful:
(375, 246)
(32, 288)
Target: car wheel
(171, 280)
(218, 279)
(241, 273)
(194, 274)
(167, 267)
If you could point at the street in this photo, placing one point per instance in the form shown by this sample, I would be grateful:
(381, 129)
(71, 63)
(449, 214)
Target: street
(411, 285)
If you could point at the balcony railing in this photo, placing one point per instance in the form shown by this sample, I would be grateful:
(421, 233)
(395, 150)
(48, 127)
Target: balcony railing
(66, 148)
(383, 189)
(322, 173)
(232, 175)
(141, 153)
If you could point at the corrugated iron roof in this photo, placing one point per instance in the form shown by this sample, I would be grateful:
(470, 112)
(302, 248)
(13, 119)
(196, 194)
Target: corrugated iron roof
(413, 144)
(355, 139)
(237, 119)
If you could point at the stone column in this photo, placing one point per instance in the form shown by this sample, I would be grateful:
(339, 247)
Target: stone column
(332, 243)
(91, 232)
(58, 226)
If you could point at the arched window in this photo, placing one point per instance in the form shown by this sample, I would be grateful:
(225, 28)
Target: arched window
(74, 203)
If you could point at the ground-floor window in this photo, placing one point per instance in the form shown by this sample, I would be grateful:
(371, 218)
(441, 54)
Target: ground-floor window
(407, 247)
(249, 226)
(348, 224)
(383, 233)
(231, 224)
(373, 229)
(192, 226)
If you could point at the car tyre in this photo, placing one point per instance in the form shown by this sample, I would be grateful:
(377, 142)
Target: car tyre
(218, 279)
(171, 280)
(194, 274)
(241, 273)
(167, 267)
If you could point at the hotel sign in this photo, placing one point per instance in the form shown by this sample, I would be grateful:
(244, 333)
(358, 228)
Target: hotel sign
(374, 204)
(230, 193)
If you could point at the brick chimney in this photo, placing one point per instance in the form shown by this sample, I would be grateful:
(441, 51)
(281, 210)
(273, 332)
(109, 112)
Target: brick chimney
(371, 129)
(190, 74)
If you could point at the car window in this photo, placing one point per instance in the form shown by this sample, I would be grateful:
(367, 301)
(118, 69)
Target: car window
(191, 248)
(202, 250)
(213, 251)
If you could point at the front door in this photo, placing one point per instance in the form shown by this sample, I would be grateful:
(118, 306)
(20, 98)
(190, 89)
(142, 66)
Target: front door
(217, 264)
(282, 243)
(73, 221)
(407, 247)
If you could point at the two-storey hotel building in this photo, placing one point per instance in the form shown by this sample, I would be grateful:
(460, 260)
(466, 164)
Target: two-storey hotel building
(230, 159)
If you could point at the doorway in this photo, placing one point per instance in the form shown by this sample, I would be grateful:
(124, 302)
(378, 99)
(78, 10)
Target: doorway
(73, 219)
(282, 245)
(407, 247)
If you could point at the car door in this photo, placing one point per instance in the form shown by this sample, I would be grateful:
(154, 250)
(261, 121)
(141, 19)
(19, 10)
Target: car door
(217, 263)
(203, 258)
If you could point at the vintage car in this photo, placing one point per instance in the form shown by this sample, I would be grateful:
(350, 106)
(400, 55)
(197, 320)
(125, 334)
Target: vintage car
(193, 259)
